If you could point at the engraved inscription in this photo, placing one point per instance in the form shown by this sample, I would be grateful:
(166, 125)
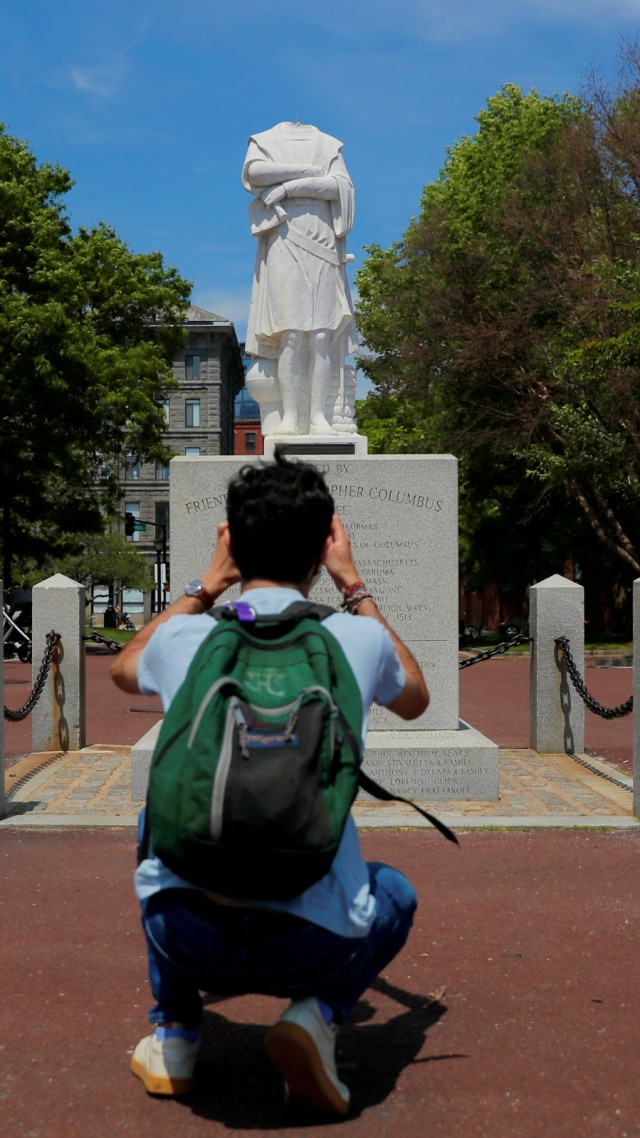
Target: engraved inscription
(449, 774)
(201, 505)
(342, 491)
(400, 516)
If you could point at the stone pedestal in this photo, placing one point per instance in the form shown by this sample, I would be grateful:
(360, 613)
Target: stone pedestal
(58, 720)
(556, 710)
(308, 447)
(401, 512)
(434, 764)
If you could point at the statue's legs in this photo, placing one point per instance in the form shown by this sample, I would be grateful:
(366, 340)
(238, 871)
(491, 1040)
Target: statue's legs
(289, 376)
(288, 379)
(320, 381)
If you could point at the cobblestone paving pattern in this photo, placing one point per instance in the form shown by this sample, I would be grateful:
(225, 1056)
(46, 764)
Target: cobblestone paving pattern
(97, 782)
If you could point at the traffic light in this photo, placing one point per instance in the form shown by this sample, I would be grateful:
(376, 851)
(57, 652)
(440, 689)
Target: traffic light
(129, 524)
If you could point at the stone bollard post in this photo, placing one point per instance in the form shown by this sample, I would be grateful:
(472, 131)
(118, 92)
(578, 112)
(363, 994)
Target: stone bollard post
(637, 698)
(556, 709)
(3, 799)
(59, 717)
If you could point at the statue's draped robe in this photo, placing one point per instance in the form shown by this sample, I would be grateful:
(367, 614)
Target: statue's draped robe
(299, 280)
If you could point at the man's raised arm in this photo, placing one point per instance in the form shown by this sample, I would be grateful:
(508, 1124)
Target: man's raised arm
(221, 573)
(340, 564)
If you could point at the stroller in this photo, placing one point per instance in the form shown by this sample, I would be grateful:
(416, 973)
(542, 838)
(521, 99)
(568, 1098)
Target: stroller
(16, 625)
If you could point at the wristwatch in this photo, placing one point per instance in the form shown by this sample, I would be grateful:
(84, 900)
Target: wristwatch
(197, 589)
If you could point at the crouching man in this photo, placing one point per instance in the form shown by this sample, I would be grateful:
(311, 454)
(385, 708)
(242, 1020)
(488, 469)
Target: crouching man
(322, 949)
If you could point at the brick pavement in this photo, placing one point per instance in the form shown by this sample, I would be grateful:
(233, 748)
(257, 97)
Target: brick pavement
(528, 941)
(93, 787)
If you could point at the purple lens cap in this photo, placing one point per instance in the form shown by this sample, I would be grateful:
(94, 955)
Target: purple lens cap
(244, 612)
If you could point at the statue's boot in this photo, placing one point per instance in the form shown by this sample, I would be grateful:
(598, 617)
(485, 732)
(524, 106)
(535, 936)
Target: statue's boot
(288, 426)
(321, 426)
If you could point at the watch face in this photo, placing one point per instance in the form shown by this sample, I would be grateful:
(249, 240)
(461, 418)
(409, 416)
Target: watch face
(193, 588)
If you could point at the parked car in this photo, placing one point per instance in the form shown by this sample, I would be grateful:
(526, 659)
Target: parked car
(510, 628)
(469, 633)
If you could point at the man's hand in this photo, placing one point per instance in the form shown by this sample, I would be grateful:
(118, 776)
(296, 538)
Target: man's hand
(338, 557)
(223, 570)
(221, 573)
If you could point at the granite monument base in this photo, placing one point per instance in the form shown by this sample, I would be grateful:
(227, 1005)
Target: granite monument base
(425, 765)
(401, 512)
(432, 765)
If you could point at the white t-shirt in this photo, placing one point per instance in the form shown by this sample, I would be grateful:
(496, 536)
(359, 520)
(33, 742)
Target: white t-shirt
(340, 901)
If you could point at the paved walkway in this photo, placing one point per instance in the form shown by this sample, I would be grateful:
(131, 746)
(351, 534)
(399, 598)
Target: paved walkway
(92, 787)
(511, 1012)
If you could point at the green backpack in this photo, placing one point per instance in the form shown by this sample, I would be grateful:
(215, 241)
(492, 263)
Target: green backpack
(258, 760)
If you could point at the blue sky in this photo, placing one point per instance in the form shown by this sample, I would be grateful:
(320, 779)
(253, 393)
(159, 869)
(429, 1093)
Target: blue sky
(149, 103)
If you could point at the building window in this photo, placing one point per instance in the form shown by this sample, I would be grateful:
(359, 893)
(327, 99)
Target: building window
(192, 412)
(166, 410)
(192, 367)
(250, 441)
(162, 471)
(132, 467)
(133, 508)
(132, 600)
(192, 452)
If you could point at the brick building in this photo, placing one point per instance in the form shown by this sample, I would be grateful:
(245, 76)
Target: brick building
(248, 436)
(199, 421)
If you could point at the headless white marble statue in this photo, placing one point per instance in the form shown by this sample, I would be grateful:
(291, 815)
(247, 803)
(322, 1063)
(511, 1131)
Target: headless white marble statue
(301, 324)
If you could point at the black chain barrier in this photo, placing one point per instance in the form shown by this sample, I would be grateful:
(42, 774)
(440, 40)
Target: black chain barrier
(576, 679)
(497, 651)
(601, 774)
(112, 645)
(578, 683)
(52, 641)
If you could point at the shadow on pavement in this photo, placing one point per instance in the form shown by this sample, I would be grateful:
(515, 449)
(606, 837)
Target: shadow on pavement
(371, 1057)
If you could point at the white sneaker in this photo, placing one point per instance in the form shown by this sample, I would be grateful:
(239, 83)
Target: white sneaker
(302, 1046)
(165, 1066)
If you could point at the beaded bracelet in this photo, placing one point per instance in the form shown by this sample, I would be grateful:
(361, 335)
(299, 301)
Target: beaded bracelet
(354, 594)
(349, 590)
(356, 601)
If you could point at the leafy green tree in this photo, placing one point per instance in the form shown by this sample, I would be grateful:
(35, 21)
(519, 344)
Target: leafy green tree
(509, 312)
(97, 559)
(394, 425)
(88, 331)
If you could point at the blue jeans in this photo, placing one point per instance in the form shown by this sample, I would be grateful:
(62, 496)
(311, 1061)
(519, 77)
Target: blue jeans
(195, 945)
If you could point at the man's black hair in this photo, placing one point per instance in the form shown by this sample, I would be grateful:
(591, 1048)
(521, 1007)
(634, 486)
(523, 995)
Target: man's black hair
(279, 517)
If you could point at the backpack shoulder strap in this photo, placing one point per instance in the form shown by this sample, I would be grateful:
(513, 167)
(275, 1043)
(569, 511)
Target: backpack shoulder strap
(376, 791)
(300, 609)
(296, 611)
